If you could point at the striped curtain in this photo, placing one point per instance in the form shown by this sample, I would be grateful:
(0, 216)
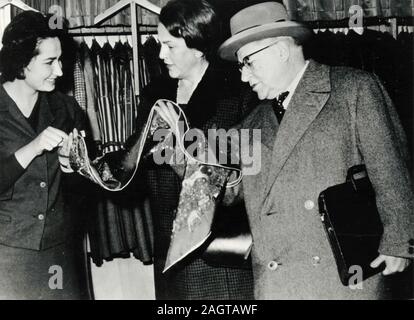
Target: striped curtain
(83, 12)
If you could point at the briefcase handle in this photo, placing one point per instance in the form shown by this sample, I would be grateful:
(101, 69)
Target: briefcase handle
(358, 176)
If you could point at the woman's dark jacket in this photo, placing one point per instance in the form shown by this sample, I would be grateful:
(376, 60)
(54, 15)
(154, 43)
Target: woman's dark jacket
(32, 211)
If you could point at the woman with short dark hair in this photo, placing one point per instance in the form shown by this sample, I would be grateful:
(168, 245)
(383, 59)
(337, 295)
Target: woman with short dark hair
(187, 33)
(37, 255)
(196, 23)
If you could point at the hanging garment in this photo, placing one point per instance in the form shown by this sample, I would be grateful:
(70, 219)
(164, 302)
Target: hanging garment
(131, 101)
(104, 85)
(118, 224)
(89, 75)
(79, 82)
(154, 65)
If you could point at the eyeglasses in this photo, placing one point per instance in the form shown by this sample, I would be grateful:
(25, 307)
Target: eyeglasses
(246, 60)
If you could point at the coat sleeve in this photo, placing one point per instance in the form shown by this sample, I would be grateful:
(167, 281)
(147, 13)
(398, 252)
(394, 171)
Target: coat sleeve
(10, 172)
(382, 143)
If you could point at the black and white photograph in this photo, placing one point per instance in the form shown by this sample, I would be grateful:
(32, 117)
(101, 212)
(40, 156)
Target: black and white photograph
(218, 152)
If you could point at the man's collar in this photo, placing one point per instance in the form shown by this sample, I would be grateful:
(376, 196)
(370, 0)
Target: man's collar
(293, 85)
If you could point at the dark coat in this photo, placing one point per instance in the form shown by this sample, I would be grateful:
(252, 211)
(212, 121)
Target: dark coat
(32, 211)
(310, 151)
(213, 104)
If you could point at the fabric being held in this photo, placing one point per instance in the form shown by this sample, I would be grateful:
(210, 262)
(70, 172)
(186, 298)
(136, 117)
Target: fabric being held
(204, 182)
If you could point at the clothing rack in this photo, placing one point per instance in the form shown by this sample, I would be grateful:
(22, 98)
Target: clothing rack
(391, 22)
(122, 32)
(111, 30)
(107, 14)
(100, 31)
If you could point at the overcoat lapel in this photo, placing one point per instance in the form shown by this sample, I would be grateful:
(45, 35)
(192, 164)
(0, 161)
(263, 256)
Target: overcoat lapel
(265, 121)
(310, 96)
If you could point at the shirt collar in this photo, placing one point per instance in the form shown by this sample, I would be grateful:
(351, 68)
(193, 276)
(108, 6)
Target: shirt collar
(293, 85)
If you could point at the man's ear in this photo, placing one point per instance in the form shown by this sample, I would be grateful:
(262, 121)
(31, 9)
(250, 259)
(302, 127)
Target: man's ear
(283, 50)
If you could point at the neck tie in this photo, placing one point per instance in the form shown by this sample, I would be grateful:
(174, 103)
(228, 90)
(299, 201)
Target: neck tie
(278, 106)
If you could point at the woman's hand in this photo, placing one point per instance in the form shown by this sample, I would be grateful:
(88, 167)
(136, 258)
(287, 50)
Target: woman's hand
(167, 112)
(65, 150)
(48, 140)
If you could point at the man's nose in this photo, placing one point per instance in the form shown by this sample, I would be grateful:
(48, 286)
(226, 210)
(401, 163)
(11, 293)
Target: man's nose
(245, 74)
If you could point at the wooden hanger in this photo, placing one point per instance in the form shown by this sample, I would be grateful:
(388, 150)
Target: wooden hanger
(120, 5)
(16, 3)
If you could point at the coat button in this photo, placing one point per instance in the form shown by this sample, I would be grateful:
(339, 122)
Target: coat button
(41, 217)
(309, 205)
(43, 185)
(411, 242)
(273, 265)
(316, 260)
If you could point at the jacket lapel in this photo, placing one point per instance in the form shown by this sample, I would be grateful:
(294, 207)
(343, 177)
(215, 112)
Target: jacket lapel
(46, 116)
(8, 104)
(269, 126)
(310, 96)
(265, 121)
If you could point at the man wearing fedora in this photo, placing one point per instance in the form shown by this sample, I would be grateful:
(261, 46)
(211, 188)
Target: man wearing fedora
(316, 122)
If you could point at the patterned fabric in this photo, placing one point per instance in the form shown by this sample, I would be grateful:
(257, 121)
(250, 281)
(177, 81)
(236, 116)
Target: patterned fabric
(212, 105)
(89, 75)
(201, 188)
(79, 83)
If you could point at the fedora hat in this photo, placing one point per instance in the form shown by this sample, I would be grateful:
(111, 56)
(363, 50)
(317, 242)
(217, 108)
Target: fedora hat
(257, 22)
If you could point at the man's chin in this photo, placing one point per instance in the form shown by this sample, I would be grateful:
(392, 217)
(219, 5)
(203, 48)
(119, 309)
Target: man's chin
(262, 95)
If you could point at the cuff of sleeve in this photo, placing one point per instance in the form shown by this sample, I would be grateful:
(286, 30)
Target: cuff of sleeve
(15, 166)
(403, 250)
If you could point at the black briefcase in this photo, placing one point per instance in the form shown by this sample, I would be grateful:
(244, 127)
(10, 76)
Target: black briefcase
(353, 225)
